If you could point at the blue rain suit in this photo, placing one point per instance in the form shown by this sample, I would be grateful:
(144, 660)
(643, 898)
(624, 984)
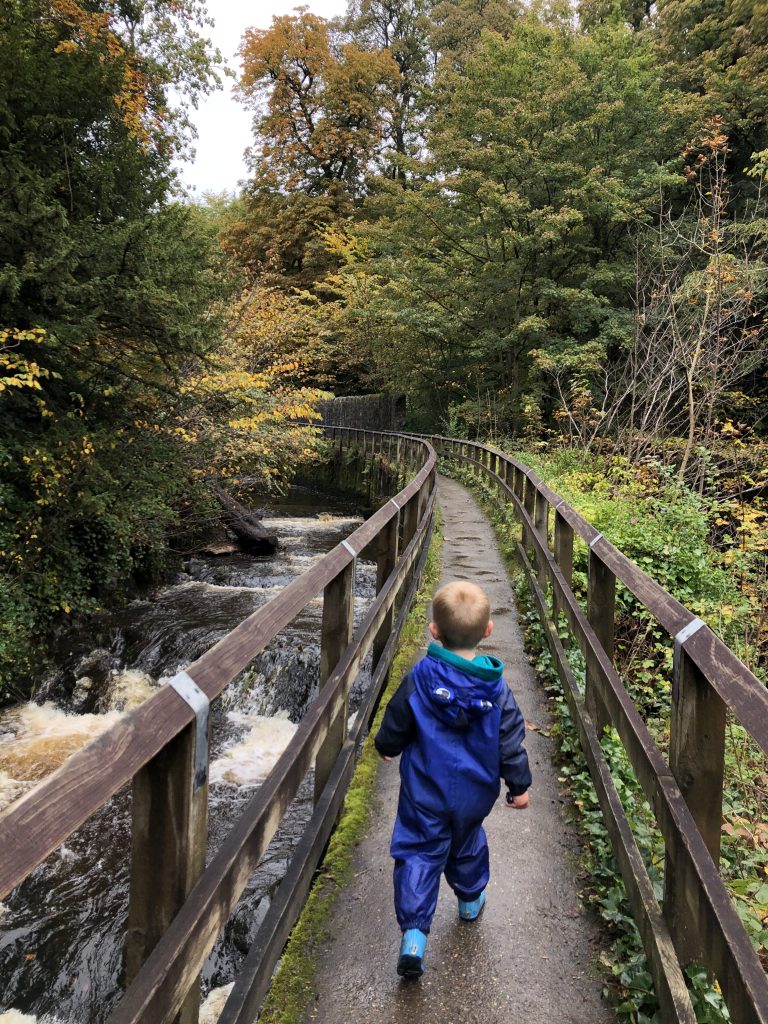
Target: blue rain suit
(459, 730)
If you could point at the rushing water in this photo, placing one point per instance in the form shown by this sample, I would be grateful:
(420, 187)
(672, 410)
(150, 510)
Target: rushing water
(61, 932)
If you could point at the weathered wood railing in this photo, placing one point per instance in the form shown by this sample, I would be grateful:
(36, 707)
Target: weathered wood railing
(697, 921)
(177, 905)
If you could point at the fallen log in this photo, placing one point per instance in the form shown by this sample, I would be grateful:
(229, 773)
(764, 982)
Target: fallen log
(247, 527)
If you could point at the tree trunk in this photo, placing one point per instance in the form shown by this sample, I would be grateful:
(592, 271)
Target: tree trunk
(248, 528)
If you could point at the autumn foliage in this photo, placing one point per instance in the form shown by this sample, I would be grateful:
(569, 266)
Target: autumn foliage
(324, 102)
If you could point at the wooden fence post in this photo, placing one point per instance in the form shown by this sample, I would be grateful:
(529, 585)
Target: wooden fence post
(518, 482)
(541, 522)
(169, 844)
(563, 557)
(529, 499)
(385, 563)
(696, 758)
(601, 613)
(508, 475)
(336, 635)
(409, 515)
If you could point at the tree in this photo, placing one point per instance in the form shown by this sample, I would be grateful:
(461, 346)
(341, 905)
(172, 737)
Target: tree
(717, 53)
(324, 104)
(320, 109)
(401, 28)
(544, 150)
(113, 298)
(459, 24)
(699, 332)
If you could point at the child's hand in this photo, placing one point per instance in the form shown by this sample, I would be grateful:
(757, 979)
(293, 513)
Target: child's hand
(384, 757)
(517, 803)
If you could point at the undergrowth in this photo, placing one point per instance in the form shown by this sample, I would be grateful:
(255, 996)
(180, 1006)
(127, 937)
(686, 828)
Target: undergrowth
(293, 985)
(672, 533)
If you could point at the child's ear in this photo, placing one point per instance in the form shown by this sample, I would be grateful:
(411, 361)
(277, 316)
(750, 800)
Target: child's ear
(433, 631)
(488, 629)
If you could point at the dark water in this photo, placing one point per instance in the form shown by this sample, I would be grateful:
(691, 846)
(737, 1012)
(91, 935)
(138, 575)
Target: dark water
(61, 932)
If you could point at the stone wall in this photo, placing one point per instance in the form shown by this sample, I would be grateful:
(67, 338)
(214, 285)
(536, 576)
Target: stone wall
(365, 412)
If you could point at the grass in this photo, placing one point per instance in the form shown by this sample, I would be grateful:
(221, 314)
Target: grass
(292, 988)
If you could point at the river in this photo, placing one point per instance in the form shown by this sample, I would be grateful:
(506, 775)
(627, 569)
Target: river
(61, 932)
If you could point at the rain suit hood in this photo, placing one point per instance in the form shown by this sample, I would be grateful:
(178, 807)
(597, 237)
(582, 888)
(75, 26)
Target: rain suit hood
(455, 690)
(452, 766)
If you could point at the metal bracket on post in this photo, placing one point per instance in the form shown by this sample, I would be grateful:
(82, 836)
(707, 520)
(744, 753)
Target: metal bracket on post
(190, 692)
(685, 634)
(350, 549)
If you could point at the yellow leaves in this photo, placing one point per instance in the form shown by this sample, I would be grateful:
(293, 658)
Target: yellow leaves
(18, 371)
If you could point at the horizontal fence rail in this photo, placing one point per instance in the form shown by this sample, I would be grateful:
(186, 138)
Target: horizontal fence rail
(697, 921)
(178, 906)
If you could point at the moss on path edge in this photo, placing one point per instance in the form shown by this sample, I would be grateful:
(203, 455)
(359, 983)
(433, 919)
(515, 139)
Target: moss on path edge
(292, 987)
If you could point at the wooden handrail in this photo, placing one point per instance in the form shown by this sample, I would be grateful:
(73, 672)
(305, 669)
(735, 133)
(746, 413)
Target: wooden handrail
(739, 688)
(39, 822)
(698, 920)
(154, 746)
(163, 982)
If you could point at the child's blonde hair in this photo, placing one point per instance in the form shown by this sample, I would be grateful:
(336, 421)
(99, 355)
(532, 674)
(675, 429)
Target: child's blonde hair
(461, 613)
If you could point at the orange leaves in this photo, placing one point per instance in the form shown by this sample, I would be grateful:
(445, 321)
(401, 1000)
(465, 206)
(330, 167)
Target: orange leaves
(91, 29)
(242, 411)
(126, 44)
(325, 103)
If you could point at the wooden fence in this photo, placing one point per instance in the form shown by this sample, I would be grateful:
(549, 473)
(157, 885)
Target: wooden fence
(178, 906)
(697, 921)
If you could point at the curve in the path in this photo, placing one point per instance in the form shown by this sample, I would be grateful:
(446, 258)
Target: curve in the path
(530, 959)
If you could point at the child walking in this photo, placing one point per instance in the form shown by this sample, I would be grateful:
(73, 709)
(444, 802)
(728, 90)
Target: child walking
(459, 729)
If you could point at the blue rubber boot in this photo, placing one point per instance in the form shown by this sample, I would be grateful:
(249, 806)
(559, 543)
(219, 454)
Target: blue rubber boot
(411, 961)
(469, 910)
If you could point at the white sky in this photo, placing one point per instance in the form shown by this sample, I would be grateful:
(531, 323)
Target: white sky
(223, 124)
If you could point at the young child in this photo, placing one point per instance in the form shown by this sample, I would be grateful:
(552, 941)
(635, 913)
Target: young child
(459, 729)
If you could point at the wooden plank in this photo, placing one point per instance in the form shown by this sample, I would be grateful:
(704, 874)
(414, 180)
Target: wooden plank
(697, 759)
(541, 525)
(254, 977)
(601, 615)
(335, 637)
(668, 979)
(563, 556)
(169, 844)
(409, 518)
(385, 564)
(727, 950)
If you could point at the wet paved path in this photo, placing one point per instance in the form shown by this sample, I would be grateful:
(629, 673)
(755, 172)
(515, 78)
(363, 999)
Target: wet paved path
(530, 957)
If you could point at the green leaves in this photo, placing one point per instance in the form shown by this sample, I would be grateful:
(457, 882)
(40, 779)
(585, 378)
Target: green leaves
(514, 238)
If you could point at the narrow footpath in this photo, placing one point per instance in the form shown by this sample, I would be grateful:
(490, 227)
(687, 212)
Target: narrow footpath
(530, 958)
